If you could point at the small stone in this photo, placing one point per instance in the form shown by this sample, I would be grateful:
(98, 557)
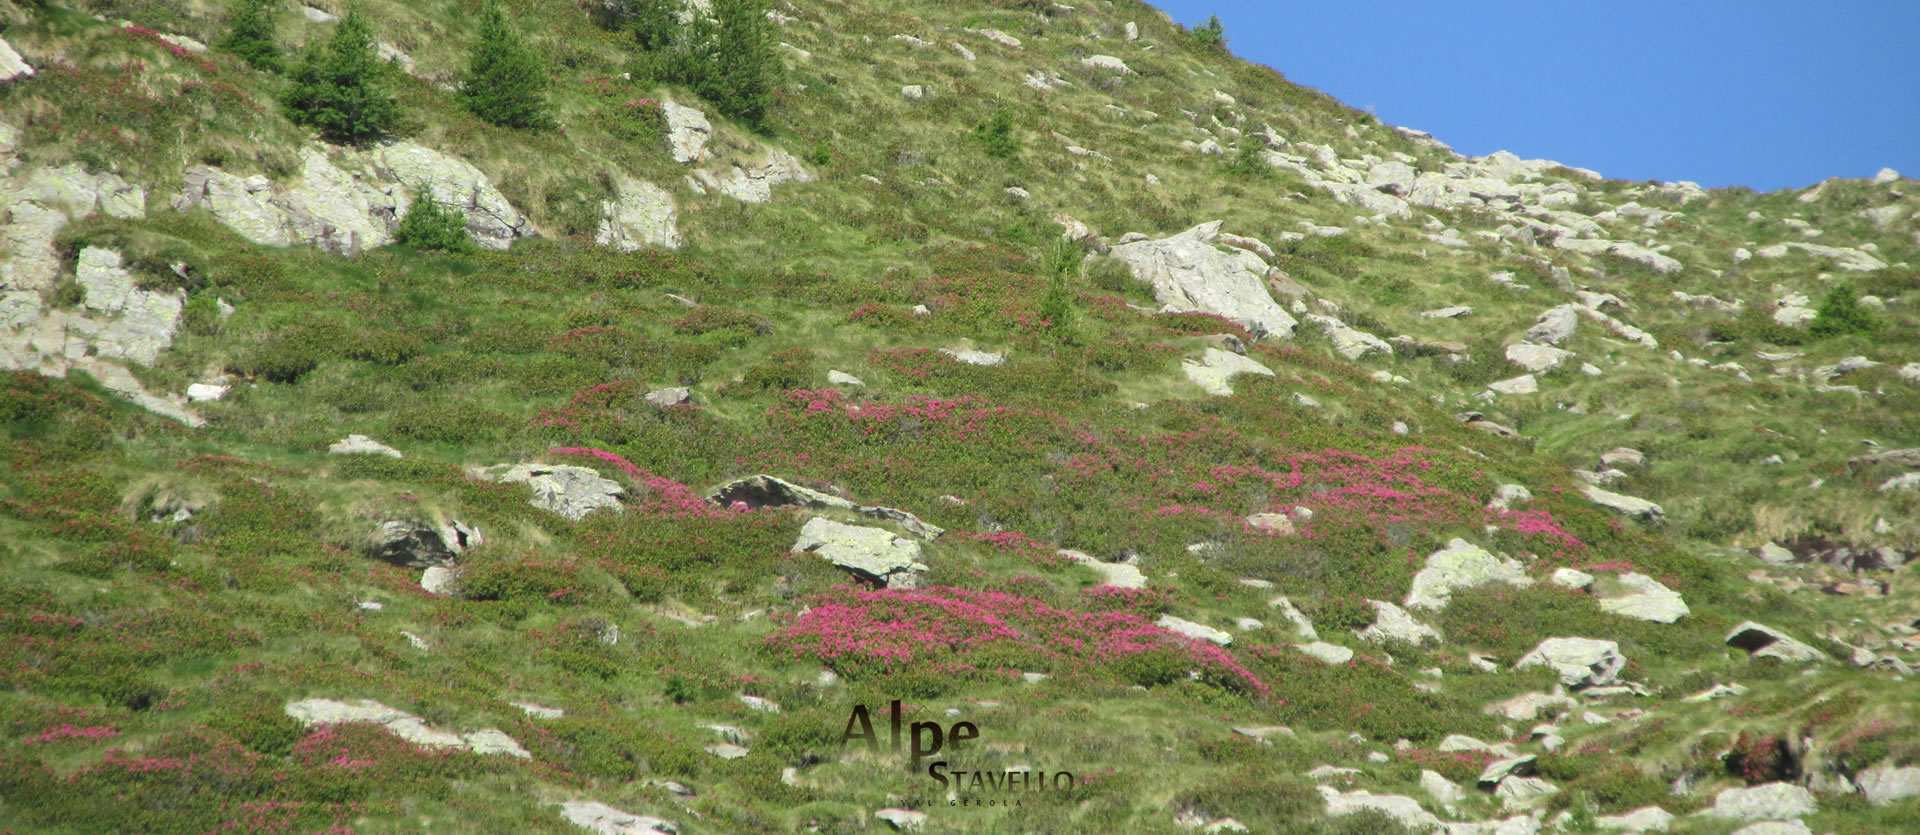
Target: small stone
(362, 445)
(903, 820)
(726, 750)
(438, 580)
(841, 378)
(672, 396)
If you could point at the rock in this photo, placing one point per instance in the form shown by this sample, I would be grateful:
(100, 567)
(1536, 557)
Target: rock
(1641, 597)
(1775, 828)
(1118, 575)
(1555, 326)
(1455, 312)
(362, 445)
(1392, 623)
(313, 712)
(640, 215)
(1883, 784)
(1767, 642)
(964, 52)
(754, 182)
(1528, 706)
(1906, 482)
(1572, 579)
(1846, 258)
(413, 545)
(570, 491)
(1133, 34)
(1304, 401)
(1106, 62)
(1501, 769)
(726, 750)
(1278, 524)
(688, 132)
(1718, 691)
(998, 37)
(903, 820)
(972, 357)
(873, 554)
(1522, 791)
(1326, 771)
(1214, 368)
(439, 580)
(317, 15)
(842, 378)
(202, 392)
(1506, 495)
(1536, 358)
(1392, 177)
(759, 491)
(602, 819)
(914, 91)
(1072, 229)
(1772, 801)
(1581, 662)
(1403, 809)
(1348, 341)
(1624, 505)
(1461, 565)
(12, 66)
(670, 396)
(1885, 176)
(1188, 273)
(1444, 791)
(1326, 653)
(759, 704)
(1772, 554)
(1193, 630)
(454, 183)
(147, 320)
(1523, 384)
(538, 711)
(1301, 625)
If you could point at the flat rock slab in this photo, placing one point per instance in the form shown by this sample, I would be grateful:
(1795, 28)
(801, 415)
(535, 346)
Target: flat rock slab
(1581, 662)
(1392, 623)
(602, 819)
(1767, 642)
(758, 491)
(1189, 274)
(873, 553)
(1193, 630)
(1461, 565)
(570, 491)
(1118, 575)
(1769, 802)
(312, 712)
(1214, 368)
(1641, 597)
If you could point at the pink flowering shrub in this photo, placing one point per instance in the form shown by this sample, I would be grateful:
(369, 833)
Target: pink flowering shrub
(865, 633)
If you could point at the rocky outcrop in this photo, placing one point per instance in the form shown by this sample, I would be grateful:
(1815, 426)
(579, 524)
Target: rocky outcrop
(1768, 642)
(1392, 624)
(873, 554)
(1349, 341)
(1624, 505)
(12, 66)
(1214, 368)
(414, 545)
(1846, 258)
(688, 132)
(1641, 597)
(601, 819)
(1581, 662)
(753, 182)
(349, 201)
(1772, 801)
(1188, 273)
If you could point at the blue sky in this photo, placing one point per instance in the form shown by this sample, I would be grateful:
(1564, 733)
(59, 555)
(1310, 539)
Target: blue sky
(1759, 93)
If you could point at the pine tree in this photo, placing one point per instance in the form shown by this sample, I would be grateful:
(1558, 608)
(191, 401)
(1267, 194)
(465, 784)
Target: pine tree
(505, 84)
(652, 22)
(342, 88)
(995, 135)
(1061, 264)
(427, 225)
(1840, 314)
(250, 35)
(728, 59)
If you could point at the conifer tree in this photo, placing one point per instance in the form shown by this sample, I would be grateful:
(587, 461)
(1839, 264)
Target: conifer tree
(652, 22)
(728, 59)
(505, 84)
(250, 35)
(1840, 313)
(342, 88)
(428, 225)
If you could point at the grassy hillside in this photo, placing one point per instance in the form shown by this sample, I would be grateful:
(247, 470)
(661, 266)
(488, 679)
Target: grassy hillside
(176, 595)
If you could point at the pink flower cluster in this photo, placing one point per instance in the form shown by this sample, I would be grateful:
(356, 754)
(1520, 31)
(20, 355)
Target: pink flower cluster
(58, 732)
(664, 496)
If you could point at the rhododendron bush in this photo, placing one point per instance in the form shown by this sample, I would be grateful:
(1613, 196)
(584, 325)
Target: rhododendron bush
(864, 633)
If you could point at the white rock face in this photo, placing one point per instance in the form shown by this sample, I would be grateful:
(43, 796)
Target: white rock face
(570, 491)
(147, 319)
(439, 579)
(1571, 578)
(12, 66)
(1555, 326)
(1461, 565)
(1641, 597)
(1193, 630)
(1401, 808)
(1326, 653)
(873, 553)
(1646, 819)
(455, 184)
(688, 132)
(601, 819)
(1768, 642)
(1846, 258)
(1301, 625)
(640, 215)
(1772, 801)
(1212, 371)
(1581, 662)
(1116, 574)
(1188, 273)
(407, 726)
(972, 357)
(1885, 784)
(1106, 62)
(362, 445)
(754, 182)
(1392, 623)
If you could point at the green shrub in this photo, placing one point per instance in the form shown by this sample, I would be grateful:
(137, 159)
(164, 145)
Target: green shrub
(454, 422)
(429, 226)
(504, 85)
(261, 725)
(1248, 161)
(995, 135)
(1212, 34)
(1840, 314)
(201, 317)
(69, 293)
(291, 357)
(727, 58)
(342, 88)
(250, 35)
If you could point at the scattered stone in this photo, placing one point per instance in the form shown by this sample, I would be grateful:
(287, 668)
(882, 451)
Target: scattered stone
(1641, 597)
(1215, 367)
(760, 491)
(539, 711)
(842, 378)
(1106, 62)
(1392, 623)
(972, 357)
(1536, 358)
(1523, 384)
(1193, 630)
(1506, 495)
(640, 215)
(903, 820)
(570, 491)
(1404, 809)
(726, 750)
(602, 819)
(439, 580)
(1885, 784)
(362, 445)
(1766, 642)
(671, 396)
(1528, 706)
(1455, 312)
(413, 729)
(1442, 790)
(1624, 505)
(1326, 653)
(1572, 578)
(1275, 523)
(1301, 625)
(1350, 342)
(1118, 575)
(1188, 273)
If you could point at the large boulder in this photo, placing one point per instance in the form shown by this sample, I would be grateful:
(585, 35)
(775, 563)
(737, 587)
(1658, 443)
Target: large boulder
(12, 66)
(455, 184)
(1555, 326)
(754, 182)
(601, 819)
(1767, 642)
(873, 554)
(759, 491)
(1772, 801)
(1461, 565)
(419, 546)
(1624, 505)
(1212, 371)
(1392, 624)
(1884, 784)
(1641, 597)
(1188, 273)
(1581, 662)
(1349, 341)
(570, 491)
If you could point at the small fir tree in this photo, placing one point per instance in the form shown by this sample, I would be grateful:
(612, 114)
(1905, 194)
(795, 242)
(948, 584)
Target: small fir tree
(652, 22)
(728, 59)
(342, 88)
(1840, 314)
(1061, 264)
(250, 35)
(1212, 34)
(995, 135)
(504, 85)
(428, 225)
